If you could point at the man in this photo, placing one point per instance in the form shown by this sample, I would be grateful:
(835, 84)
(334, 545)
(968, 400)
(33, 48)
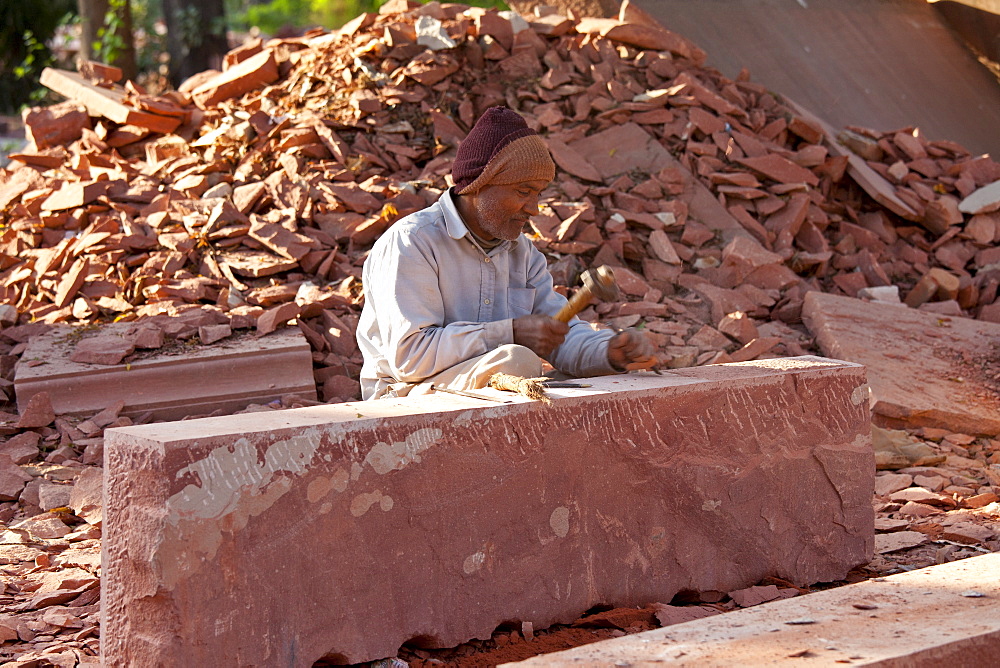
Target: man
(455, 293)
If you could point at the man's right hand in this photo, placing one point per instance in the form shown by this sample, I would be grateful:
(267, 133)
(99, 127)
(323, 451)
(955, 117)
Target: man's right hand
(541, 333)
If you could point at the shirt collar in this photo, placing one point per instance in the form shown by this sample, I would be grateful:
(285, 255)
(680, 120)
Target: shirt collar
(457, 227)
(452, 220)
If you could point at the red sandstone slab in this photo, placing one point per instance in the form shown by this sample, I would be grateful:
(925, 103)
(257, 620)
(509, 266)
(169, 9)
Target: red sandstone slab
(171, 383)
(621, 148)
(924, 369)
(254, 72)
(939, 616)
(874, 184)
(339, 521)
(105, 102)
(706, 208)
(780, 169)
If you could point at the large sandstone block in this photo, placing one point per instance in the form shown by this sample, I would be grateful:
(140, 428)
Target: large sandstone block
(938, 616)
(274, 539)
(172, 383)
(925, 369)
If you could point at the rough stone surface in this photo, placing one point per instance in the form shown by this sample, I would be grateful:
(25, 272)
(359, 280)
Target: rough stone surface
(21, 448)
(87, 497)
(12, 479)
(938, 616)
(35, 411)
(52, 495)
(924, 369)
(343, 517)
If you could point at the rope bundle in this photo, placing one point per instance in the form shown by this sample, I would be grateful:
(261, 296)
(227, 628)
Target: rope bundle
(532, 388)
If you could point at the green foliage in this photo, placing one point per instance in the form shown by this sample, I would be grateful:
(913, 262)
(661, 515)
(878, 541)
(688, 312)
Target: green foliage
(274, 15)
(25, 29)
(150, 43)
(332, 14)
(110, 42)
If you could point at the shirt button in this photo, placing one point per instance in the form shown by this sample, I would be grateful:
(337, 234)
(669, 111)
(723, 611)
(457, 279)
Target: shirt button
(487, 259)
(486, 301)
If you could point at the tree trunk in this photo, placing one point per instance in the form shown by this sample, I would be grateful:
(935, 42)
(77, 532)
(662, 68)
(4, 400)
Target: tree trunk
(196, 36)
(92, 19)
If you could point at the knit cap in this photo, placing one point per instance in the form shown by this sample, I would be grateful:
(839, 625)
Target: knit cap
(499, 150)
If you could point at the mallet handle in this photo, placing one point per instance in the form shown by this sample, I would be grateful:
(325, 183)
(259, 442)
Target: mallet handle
(579, 301)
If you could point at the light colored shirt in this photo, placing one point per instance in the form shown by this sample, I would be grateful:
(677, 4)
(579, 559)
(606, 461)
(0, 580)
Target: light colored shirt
(434, 299)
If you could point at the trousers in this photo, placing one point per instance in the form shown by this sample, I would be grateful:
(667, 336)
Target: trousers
(475, 373)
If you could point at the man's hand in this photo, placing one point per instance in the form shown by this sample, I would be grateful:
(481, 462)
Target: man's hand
(630, 349)
(540, 333)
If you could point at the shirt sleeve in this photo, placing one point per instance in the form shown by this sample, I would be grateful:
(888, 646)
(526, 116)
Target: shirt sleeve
(402, 279)
(584, 352)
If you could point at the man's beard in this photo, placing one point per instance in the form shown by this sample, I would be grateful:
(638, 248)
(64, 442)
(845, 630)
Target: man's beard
(498, 225)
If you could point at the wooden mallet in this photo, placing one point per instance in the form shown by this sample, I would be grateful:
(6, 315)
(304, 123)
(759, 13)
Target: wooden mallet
(598, 284)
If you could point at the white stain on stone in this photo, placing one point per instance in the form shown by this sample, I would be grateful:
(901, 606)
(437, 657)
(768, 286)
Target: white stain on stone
(318, 488)
(385, 457)
(233, 484)
(473, 562)
(861, 394)
(340, 479)
(559, 521)
(711, 505)
(325, 508)
(227, 476)
(361, 503)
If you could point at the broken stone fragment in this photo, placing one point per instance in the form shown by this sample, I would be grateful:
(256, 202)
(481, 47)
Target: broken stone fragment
(739, 326)
(755, 595)
(914, 509)
(43, 527)
(341, 388)
(984, 200)
(887, 294)
(934, 483)
(981, 500)
(968, 533)
(889, 483)
(87, 497)
(899, 540)
(886, 525)
(272, 318)
(61, 454)
(147, 336)
(211, 333)
(8, 315)
(12, 479)
(104, 348)
(52, 495)
(667, 615)
(921, 495)
(56, 125)
(109, 414)
(21, 448)
(37, 413)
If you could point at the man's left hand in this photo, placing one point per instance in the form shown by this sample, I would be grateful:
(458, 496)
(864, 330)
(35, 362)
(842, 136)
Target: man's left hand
(630, 349)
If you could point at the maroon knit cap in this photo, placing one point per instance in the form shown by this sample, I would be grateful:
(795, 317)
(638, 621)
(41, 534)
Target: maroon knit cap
(495, 129)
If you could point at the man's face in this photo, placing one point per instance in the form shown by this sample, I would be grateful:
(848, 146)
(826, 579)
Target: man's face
(503, 210)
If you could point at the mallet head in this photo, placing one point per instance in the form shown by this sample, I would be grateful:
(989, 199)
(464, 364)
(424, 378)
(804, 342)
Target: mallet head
(601, 283)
